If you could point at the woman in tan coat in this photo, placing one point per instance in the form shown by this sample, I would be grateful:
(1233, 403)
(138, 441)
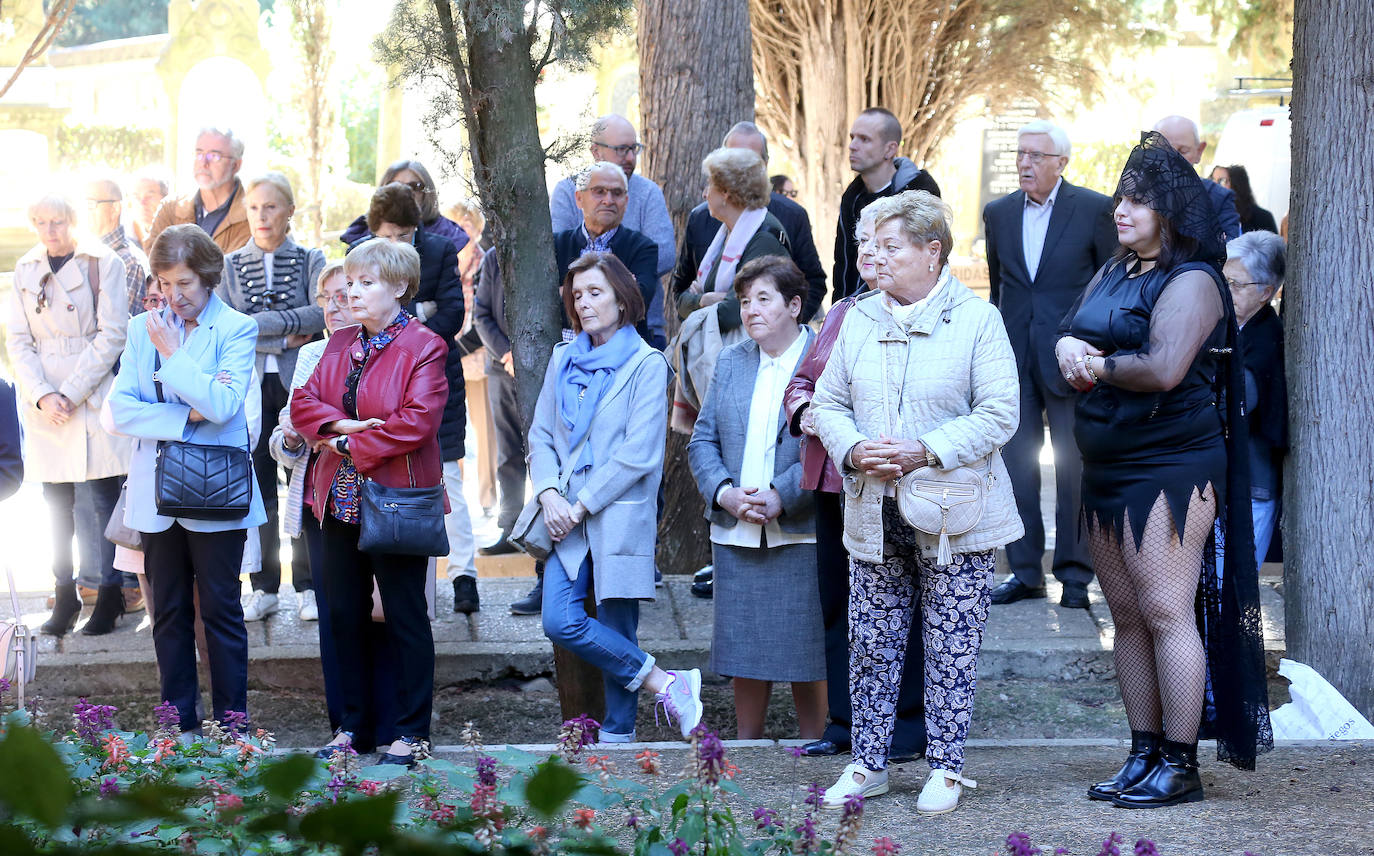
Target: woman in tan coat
(67, 317)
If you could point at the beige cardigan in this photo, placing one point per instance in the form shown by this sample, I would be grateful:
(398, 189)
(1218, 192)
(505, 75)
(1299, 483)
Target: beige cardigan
(951, 369)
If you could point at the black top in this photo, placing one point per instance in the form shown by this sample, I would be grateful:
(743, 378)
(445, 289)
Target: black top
(770, 240)
(640, 255)
(844, 278)
(1259, 220)
(210, 220)
(1266, 401)
(55, 263)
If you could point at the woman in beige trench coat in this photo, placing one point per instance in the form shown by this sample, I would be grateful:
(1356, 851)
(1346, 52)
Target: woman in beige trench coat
(67, 318)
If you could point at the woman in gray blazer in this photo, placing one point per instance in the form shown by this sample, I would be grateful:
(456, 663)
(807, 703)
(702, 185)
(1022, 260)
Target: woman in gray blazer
(763, 525)
(596, 457)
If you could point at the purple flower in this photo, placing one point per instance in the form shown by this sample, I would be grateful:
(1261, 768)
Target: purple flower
(1019, 844)
(765, 818)
(486, 771)
(168, 717)
(4, 685)
(93, 719)
(109, 786)
(1109, 847)
(815, 794)
(710, 754)
(853, 807)
(796, 751)
(1061, 851)
(336, 786)
(807, 830)
(577, 734)
(1146, 847)
(235, 721)
(678, 847)
(633, 822)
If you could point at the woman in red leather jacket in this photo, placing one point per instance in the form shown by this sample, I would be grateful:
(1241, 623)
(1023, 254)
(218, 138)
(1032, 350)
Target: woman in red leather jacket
(372, 410)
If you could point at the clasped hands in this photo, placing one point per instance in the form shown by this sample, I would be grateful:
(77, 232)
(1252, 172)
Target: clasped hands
(334, 430)
(559, 515)
(752, 504)
(887, 458)
(1072, 354)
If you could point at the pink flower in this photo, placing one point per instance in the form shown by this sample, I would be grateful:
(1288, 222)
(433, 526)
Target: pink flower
(583, 817)
(369, 787)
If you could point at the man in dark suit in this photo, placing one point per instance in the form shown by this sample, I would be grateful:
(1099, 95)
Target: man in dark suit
(702, 228)
(1182, 134)
(1044, 243)
(602, 194)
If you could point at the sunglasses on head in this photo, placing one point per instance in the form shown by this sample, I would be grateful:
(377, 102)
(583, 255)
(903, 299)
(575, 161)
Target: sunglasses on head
(41, 301)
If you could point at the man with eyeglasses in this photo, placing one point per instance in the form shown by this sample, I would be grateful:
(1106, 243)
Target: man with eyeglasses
(1182, 134)
(702, 227)
(105, 205)
(602, 195)
(1044, 243)
(217, 205)
(615, 140)
(874, 139)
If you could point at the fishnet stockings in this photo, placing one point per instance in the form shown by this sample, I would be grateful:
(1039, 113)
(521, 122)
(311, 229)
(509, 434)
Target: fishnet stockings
(1161, 666)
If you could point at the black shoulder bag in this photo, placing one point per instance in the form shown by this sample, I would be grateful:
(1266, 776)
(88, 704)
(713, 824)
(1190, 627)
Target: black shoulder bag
(201, 482)
(405, 520)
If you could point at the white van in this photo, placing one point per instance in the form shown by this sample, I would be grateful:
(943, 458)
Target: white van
(1259, 141)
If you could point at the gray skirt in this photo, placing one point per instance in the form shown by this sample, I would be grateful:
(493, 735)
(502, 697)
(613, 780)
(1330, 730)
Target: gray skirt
(768, 614)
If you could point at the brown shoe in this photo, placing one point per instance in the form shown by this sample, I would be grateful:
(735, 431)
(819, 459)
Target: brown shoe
(133, 599)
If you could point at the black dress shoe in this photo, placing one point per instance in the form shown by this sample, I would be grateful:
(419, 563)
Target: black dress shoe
(1172, 780)
(1013, 590)
(817, 748)
(532, 603)
(324, 753)
(703, 583)
(1144, 753)
(419, 748)
(1074, 596)
(465, 600)
(502, 547)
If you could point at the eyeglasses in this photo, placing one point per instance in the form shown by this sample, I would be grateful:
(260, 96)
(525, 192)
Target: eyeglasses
(613, 192)
(211, 156)
(1231, 283)
(96, 203)
(338, 301)
(790, 194)
(621, 151)
(417, 186)
(1033, 157)
(41, 301)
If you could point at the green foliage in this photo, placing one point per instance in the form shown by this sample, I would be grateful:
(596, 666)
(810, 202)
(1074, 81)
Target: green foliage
(1097, 166)
(101, 20)
(360, 114)
(120, 148)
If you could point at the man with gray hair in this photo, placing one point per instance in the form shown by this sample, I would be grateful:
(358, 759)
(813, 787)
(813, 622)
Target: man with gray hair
(1181, 132)
(105, 204)
(1044, 243)
(150, 187)
(602, 196)
(614, 140)
(217, 206)
(702, 227)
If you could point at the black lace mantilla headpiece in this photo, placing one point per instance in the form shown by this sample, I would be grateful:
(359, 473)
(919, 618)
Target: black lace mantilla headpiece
(1158, 176)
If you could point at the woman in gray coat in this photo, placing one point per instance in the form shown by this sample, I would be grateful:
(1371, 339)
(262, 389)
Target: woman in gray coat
(596, 457)
(763, 525)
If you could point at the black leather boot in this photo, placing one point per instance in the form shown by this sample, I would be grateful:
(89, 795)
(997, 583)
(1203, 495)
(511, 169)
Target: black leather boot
(109, 606)
(1144, 753)
(1174, 779)
(66, 608)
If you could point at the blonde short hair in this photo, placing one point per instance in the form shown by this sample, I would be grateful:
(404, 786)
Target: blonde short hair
(392, 261)
(277, 180)
(54, 203)
(741, 175)
(923, 218)
(470, 211)
(334, 267)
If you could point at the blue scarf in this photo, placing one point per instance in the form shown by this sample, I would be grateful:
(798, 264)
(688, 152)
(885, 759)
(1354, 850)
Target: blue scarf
(586, 372)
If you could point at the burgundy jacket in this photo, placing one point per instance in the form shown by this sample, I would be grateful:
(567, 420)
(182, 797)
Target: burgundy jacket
(818, 471)
(404, 385)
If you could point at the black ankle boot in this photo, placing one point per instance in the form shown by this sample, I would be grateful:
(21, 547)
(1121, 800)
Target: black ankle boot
(109, 606)
(1144, 754)
(66, 608)
(1174, 779)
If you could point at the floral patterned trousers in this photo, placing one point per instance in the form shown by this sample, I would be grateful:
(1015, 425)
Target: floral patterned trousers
(953, 601)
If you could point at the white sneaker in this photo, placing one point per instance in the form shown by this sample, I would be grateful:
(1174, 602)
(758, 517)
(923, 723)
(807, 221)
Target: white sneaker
(681, 700)
(260, 604)
(308, 611)
(941, 793)
(856, 779)
(604, 736)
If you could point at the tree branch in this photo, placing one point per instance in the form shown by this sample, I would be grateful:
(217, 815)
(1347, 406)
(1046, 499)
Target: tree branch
(57, 16)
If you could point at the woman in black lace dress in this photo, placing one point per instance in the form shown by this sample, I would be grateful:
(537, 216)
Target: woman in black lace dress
(1163, 463)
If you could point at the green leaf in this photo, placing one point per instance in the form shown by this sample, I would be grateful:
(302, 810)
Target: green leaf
(36, 782)
(284, 779)
(13, 842)
(383, 772)
(692, 829)
(517, 758)
(592, 795)
(679, 803)
(353, 825)
(730, 787)
(552, 784)
(659, 849)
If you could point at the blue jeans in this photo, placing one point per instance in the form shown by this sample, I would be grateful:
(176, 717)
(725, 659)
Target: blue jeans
(609, 641)
(1264, 512)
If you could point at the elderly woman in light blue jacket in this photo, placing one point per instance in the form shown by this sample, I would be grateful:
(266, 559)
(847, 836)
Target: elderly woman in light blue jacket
(185, 375)
(596, 457)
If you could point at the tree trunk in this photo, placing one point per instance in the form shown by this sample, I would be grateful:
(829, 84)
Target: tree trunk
(695, 81)
(508, 166)
(1329, 501)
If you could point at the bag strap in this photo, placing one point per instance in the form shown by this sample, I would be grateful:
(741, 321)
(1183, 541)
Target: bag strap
(20, 640)
(93, 276)
(14, 598)
(247, 435)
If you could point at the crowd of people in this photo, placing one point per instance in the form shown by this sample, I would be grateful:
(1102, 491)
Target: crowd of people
(860, 463)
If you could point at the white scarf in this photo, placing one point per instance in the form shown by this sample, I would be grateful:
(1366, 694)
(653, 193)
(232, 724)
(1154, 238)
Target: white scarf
(728, 246)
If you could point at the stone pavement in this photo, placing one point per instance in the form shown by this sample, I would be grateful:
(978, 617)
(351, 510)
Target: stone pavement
(1034, 640)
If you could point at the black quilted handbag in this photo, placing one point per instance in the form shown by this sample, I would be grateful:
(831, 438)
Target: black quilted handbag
(202, 482)
(405, 520)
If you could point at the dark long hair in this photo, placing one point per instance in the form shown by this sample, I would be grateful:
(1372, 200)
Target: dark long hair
(1175, 248)
(1245, 196)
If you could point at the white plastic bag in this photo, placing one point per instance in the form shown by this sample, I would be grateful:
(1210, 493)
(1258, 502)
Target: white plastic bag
(1317, 711)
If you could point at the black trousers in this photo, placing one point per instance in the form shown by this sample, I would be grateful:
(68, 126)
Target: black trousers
(1072, 564)
(179, 562)
(348, 575)
(274, 397)
(832, 563)
(510, 446)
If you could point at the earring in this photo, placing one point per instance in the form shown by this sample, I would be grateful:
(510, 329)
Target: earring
(932, 267)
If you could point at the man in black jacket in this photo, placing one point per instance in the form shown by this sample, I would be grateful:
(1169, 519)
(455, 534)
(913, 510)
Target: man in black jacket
(702, 228)
(602, 195)
(873, 141)
(1044, 243)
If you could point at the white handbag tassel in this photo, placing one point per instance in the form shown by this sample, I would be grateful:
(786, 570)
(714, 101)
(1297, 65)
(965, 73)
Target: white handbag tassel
(943, 556)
